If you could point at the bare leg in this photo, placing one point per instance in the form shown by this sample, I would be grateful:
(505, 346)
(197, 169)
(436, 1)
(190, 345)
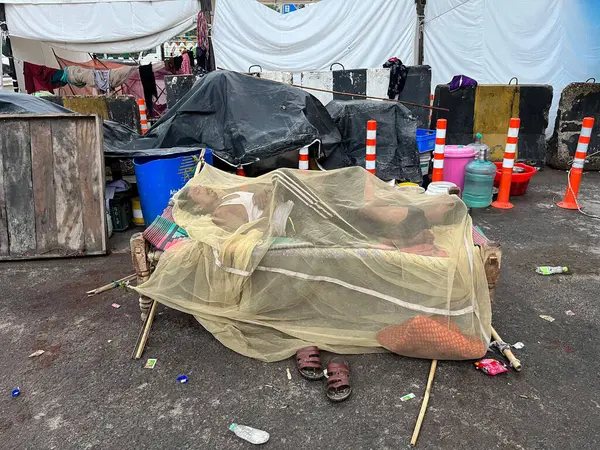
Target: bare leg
(139, 256)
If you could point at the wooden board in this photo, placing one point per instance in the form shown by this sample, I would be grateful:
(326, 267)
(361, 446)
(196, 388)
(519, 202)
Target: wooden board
(18, 188)
(42, 161)
(91, 186)
(51, 186)
(67, 191)
(3, 224)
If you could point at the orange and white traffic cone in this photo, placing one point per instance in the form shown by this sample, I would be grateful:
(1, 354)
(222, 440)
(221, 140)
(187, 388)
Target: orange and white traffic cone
(371, 146)
(303, 158)
(240, 171)
(438, 152)
(143, 117)
(574, 178)
(507, 166)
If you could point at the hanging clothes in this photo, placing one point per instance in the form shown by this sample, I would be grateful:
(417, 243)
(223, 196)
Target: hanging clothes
(201, 59)
(398, 74)
(202, 31)
(79, 76)
(59, 78)
(186, 66)
(121, 75)
(178, 60)
(192, 57)
(149, 85)
(38, 78)
(101, 79)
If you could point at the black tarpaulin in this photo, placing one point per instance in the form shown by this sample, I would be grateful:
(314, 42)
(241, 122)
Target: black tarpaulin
(242, 119)
(397, 154)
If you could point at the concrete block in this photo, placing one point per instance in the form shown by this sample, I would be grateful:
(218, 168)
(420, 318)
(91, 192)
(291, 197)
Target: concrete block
(487, 109)
(124, 109)
(416, 90)
(534, 109)
(461, 104)
(495, 104)
(577, 100)
(176, 86)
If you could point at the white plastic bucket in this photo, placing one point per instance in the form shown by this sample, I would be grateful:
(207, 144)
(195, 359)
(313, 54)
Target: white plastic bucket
(439, 187)
(424, 159)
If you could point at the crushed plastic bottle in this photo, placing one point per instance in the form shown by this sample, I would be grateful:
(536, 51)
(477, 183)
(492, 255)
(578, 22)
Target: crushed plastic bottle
(250, 434)
(548, 270)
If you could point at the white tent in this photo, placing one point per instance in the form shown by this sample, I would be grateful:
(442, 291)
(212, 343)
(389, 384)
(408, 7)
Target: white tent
(356, 33)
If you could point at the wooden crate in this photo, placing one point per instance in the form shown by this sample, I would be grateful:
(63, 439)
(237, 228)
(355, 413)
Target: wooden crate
(51, 186)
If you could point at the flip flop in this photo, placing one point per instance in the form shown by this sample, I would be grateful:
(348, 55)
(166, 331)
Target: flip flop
(338, 381)
(308, 362)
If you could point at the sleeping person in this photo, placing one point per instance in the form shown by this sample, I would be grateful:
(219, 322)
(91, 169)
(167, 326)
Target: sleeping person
(390, 225)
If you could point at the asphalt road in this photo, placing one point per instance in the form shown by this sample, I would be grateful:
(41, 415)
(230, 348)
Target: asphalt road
(86, 393)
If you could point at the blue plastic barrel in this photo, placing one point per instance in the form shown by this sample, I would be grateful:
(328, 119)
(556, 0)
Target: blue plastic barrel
(159, 178)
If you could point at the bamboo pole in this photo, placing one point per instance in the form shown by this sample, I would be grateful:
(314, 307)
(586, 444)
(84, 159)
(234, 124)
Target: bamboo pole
(111, 285)
(424, 404)
(506, 351)
(437, 108)
(146, 331)
(404, 102)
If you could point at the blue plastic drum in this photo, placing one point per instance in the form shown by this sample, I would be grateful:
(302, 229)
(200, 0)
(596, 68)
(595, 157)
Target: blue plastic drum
(159, 178)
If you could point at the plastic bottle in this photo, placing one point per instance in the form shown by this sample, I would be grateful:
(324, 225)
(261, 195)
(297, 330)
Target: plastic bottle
(479, 178)
(478, 145)
(250, 434)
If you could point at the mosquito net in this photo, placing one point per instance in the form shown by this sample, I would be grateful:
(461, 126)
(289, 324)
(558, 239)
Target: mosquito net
(337, 259)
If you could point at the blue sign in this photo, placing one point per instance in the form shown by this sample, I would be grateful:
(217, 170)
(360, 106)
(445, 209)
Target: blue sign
(288, 8)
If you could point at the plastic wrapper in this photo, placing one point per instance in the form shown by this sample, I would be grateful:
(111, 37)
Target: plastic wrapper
(337, 259)
(491, 366)
(397, 154)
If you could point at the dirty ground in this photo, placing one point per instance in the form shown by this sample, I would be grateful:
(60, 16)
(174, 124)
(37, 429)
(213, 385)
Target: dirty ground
(85, 392)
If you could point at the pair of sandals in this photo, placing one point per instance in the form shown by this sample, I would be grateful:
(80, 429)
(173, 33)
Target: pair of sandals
(337, 373)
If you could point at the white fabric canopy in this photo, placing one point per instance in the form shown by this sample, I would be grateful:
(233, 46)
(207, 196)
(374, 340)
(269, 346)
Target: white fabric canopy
(552, 42)
(356, 33)
(102, 27)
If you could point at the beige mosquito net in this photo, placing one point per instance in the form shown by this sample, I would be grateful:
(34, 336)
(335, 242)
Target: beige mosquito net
(337, 259)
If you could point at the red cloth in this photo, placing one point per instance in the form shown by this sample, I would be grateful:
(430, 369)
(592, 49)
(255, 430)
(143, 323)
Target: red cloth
(38, 78)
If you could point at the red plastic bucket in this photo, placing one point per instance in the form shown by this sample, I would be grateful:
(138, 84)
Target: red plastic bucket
(519, 181)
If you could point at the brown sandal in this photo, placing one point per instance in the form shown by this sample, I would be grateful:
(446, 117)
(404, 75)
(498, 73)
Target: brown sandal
(308, 362)
(338, 381)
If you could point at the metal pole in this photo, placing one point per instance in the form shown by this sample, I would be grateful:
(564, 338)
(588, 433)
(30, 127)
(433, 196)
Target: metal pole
(9, 52)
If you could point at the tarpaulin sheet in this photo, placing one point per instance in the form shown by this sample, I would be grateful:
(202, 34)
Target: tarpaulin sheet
(397, 155)
(538, 41)
(243, 119)
(102, 27)
(355, 33)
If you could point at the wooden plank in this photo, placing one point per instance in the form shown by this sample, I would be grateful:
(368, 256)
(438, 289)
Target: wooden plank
(100, 157)
(67, 190)
(3, 224)
(91, 181)
(42, 161)
(15, 146)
